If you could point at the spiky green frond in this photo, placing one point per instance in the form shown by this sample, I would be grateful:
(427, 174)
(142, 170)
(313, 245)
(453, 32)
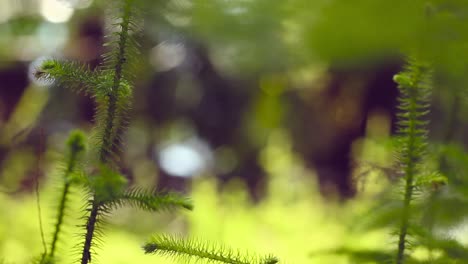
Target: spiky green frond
(114, 92)
(120, 60)
(107, 185)
(111, 118)
(76, 148)
(150, 200)
(415, 86)
(113, 96)
(68, 74)
(91, 233)
(192, 250)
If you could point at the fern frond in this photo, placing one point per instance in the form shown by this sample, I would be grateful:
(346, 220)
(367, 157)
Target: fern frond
(415, 87)
(194, 250)
(150, 201)
(68, 74)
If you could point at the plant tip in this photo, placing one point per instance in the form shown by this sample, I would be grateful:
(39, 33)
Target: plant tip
(150, 248)
(76, 141)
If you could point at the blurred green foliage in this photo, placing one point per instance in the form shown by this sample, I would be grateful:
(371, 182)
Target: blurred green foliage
(294, 221)
(286, 43)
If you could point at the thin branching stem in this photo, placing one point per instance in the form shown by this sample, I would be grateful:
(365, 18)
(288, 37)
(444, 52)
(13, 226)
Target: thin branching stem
(105, 150)
(63, 201)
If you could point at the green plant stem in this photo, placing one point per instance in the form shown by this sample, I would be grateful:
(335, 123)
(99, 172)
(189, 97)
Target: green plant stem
(107, 143)
(200, 254)
(113, 95)
(90, 227)
(63, 201)
(60, 216)
(175, 247)
(406, 211)
(410, 163)
(409, 175)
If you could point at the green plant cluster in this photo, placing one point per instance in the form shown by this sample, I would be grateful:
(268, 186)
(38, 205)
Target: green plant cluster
(415, 87)
(417, 205)
(424, 202)
(111, 87)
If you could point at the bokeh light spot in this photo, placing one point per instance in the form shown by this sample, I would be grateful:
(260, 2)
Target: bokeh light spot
(167, 56)
(56, 11)
(185, 159)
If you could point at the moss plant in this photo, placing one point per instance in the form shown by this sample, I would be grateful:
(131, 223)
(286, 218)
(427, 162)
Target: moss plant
(111, 87)
(419, 183)
(76, 148)
(415, 86)
(195, 251)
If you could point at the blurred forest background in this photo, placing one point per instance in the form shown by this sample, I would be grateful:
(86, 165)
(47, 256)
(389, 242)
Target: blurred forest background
(275, 116)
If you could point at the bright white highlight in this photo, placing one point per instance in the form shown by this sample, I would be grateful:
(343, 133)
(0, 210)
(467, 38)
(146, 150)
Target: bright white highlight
(185, 159)
(167, 56)
(56, 11)
(32, 70)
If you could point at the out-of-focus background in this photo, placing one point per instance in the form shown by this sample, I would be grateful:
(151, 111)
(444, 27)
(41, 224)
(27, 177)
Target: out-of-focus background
(274, 116)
